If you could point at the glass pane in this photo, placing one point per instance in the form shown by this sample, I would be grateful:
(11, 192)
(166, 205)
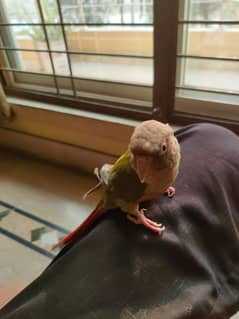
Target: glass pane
(210, 42)
(137, 71)
(206, 96)
(55, 37)
(134, 41)
(211, 10)
(107, 11)
(50, 11)
(23, 37)
(34, 62)
(61, 63)
(208, 74)
(19, 11)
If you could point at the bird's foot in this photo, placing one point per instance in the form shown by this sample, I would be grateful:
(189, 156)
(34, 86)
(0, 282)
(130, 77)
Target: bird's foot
(170, 192)
(140, 218)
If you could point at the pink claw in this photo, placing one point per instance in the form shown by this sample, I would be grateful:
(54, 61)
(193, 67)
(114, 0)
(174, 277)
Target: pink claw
(170, 192)
(141, 219)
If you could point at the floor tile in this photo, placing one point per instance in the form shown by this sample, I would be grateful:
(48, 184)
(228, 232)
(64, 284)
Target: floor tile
(39, 204)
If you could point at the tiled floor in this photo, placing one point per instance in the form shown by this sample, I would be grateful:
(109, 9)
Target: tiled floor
(39, 202)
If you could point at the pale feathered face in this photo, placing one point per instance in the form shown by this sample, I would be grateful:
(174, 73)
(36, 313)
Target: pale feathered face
(153, 147)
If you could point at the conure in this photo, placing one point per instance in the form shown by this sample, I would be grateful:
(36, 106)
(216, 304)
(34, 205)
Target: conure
(144, 172)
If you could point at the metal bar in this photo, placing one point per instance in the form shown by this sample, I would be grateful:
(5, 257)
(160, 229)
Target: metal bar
(66, 46)
(48, 45)
(74, 77)
(78, 24)
(188, 88)
(29, 72)
(130, 56)
(208, 22)
(117, 24)
(197, 57)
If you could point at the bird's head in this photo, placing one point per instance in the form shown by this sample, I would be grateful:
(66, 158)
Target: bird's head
(152, 146)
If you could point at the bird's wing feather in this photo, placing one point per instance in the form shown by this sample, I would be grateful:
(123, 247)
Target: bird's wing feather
(105, 173)
(124, 183)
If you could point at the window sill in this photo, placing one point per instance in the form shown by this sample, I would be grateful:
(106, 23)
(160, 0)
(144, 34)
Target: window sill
(65, 136)
(70, 111)
(90, 130)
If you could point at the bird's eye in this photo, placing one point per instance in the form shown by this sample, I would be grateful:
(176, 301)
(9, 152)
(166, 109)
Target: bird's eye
(164, 147)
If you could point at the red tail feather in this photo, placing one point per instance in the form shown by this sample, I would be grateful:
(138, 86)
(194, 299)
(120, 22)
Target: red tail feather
(91, 218)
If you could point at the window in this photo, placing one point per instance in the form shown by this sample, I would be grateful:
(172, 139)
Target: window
(174, 60)
(100, 49)
(208, 57)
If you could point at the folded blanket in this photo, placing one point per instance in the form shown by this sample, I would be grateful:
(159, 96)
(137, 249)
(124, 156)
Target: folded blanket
(121, 270)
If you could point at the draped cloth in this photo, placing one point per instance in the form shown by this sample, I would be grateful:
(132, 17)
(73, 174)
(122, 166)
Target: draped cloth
(4, 106)
(118, 270)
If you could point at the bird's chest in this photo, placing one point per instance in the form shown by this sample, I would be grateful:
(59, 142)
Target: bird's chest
(157, 183)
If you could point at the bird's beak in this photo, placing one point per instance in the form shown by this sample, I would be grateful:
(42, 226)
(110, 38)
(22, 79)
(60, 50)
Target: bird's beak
(142, 167)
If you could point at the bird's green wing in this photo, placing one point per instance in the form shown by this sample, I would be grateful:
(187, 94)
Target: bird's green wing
(123, 184)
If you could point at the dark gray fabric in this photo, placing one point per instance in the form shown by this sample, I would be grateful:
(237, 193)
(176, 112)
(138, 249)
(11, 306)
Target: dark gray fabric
(120, 270)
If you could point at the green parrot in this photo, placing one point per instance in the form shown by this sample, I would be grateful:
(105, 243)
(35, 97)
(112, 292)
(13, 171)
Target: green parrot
(144, 172)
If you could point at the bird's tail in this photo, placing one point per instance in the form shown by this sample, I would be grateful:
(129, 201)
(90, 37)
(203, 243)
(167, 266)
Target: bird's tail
(86, 223)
